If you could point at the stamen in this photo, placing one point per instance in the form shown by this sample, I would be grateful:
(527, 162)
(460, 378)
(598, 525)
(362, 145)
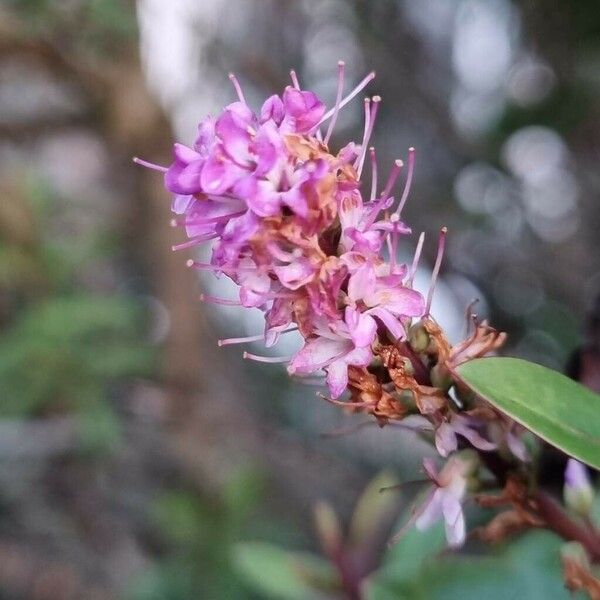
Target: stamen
(194, 242)
(367, 109)
(368, 132)
(361, 86)
(436, 267)
(241, 340)
(409, 176)
(149, 165)
(294, 79)
(398, 164)
(238, 88)
(393, 242)
(342, 403)
(338, 99)
(192, 222)
(377, 207)
(470, 316)
(208, 267)
(313, 381)
(415, 262)
(266, 359)
(220, 301)
(373, 173)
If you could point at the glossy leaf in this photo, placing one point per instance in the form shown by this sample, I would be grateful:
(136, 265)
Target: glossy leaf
(556, 408)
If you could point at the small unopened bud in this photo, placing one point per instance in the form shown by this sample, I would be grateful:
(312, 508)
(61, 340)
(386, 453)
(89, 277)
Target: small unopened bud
(409, 369)
(328, 528)
(418, 338)
(440, 378)
(578, 492)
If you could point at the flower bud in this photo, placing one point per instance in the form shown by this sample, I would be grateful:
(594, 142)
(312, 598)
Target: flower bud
(578, 492)
(440, 378)
(328, 528)
(418, 338)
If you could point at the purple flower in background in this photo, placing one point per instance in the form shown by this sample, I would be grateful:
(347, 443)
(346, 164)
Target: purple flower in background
(578, 490)
(445, 500)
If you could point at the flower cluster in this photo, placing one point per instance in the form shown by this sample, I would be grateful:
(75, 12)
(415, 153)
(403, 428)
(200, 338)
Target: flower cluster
(293, 226)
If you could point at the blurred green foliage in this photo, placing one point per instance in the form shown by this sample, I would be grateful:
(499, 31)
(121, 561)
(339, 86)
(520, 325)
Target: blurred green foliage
(98, 24)
(199, 534)
(62, 346)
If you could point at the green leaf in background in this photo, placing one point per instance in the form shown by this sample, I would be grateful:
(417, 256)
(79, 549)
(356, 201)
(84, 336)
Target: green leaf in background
(559, 410)
(403, 563)
(526, 567)
(282, 575)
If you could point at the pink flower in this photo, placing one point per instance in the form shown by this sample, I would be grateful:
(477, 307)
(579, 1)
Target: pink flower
(290, 227)
(578, 490)
(445, 500)
(446, 435)
(345, 343)
(385, 298)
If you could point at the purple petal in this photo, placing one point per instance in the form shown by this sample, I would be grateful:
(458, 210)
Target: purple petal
(235, 139)
(337, 378)
(431, 511)
(259, 195)
(454, 520)
(295, 275)
(392, 323)
(445, 439)
(304, 107)
(400, 301)
(206, 136)
(479, 442)
(359, 357)
(181, 203)
(363, 327)
(219, 175)
(296, 200)
(516, 446)
(272, 109)
(576, 475)
(318, 353)
(362, 283)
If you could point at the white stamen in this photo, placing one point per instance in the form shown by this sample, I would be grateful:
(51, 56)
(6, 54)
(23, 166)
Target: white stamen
(238, 87)
(220, 301)
(338, 99)
(361, 86)
(415, 262)
(149, 165)
(267, 359)
(368, 131)
(194, 242)
(193, 222)
(241, 340)
(294, 79)
(398, 164)
(251, 338)
(436, 267)
(373, 173)
(228, 270)
(409, 176)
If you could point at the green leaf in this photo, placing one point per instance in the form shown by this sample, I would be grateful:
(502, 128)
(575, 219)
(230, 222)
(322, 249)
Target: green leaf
(556, 408)
(404, 562)
(372, 507)
(527, 567)
(279, 574)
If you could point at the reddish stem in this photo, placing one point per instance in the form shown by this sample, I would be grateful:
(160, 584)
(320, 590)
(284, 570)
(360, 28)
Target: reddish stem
(559, 522)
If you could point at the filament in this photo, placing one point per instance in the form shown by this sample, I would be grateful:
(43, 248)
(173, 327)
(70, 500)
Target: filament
(338, 99)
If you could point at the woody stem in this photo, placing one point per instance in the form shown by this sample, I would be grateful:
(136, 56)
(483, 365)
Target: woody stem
(552, 514)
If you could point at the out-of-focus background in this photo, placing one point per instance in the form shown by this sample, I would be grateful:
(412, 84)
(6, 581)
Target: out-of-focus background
(134, 454)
